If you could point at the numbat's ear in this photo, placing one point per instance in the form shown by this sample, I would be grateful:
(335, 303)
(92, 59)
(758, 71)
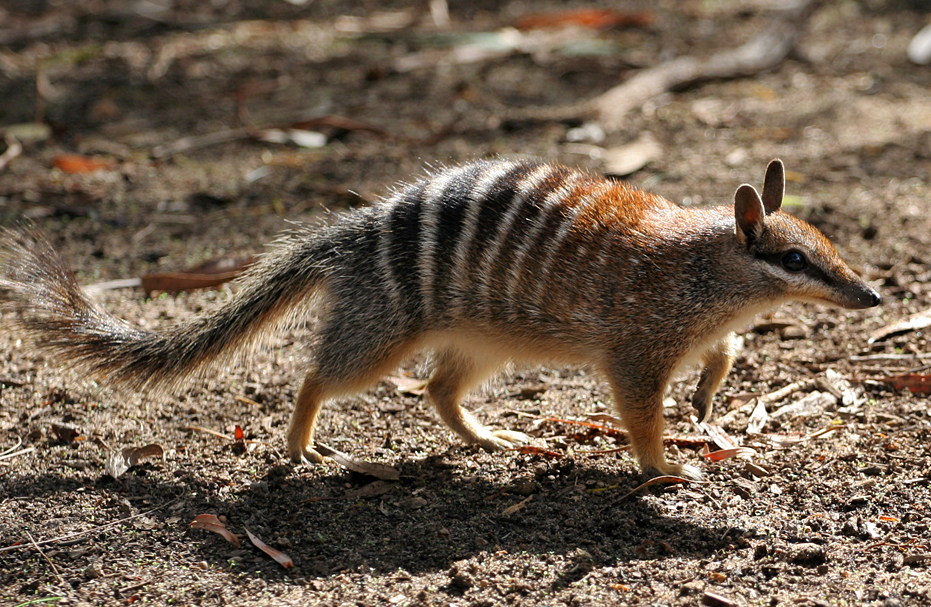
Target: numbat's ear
(749, 213)
(774, 186)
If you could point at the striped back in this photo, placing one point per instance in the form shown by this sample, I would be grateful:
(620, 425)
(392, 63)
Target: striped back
(482, 241)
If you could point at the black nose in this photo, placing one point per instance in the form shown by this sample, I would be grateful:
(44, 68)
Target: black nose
(873, 298)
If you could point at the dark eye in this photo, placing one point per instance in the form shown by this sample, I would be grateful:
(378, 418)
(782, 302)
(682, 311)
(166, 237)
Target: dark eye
(794, 261)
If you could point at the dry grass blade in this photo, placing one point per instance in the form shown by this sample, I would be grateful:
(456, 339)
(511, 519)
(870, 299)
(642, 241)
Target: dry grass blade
(119, 462)
(531, 450)
(575, 422)
(209, 431)
(280, 557)
(210, 522)
(379, 471)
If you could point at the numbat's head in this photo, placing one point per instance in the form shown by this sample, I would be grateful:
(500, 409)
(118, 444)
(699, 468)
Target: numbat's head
(788, 254)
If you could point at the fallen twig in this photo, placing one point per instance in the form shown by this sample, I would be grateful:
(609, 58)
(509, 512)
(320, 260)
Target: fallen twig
(55, 570)
(194, 142)
(881, 357)
(763, 52)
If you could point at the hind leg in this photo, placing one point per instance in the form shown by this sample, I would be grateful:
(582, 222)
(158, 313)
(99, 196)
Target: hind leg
(456, 372)
(349, 359)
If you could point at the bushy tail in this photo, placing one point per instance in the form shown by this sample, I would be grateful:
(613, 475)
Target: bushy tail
(50, 305)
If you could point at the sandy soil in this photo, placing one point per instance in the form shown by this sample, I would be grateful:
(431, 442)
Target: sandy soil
(838, 518)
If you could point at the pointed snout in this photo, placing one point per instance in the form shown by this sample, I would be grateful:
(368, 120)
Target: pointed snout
(859, 296)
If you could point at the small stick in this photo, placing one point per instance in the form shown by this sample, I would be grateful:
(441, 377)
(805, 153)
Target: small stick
(208, 431)
(871, 357)
(17, 453)
(45, 556)
(19, 441)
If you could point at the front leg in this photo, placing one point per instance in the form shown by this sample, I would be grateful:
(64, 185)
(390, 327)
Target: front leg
(639, 402)
(718, 361)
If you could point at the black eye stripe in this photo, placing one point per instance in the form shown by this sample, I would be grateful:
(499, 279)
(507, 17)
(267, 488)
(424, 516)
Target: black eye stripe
(810, 269)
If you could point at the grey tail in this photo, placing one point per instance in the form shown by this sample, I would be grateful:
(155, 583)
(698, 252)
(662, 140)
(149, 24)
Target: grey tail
(36, 283)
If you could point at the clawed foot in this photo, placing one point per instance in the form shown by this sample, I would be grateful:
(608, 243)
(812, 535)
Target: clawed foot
(304, 455)
(666, 469)
(500, 440)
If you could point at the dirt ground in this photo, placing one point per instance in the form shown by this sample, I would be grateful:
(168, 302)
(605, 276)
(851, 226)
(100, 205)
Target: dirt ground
(818, 518)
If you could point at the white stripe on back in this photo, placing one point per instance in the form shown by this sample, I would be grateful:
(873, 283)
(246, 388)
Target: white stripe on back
(527, 187)
(461, 267)
(551, 204)
(429, 226)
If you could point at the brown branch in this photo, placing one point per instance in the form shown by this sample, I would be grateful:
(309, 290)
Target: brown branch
(761, 53)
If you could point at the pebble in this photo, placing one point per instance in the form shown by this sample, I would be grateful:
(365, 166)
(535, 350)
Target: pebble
(807, 554)
(919, 49)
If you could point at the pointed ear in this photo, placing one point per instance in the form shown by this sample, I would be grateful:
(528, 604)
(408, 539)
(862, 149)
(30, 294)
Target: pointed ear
(749, 213)
(774, 186)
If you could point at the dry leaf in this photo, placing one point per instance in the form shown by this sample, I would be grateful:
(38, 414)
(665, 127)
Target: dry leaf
(758, 418)
(280, 557)
(121, 461)
(586, 17)
(917, 383)
(380, 471)
(606, 418)
(840, 386)
(516, 507)
(772, 325)
(915, 322)
(814, 403)
(211, 273)
(211, 523)
(66, 433)
(373, 489)
(626, 159)
(723, 454)
(74, 163)
(717, 434)
(531, 450)
(408, 385)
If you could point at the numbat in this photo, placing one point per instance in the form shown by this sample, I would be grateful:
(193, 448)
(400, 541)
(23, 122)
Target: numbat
(485, 263)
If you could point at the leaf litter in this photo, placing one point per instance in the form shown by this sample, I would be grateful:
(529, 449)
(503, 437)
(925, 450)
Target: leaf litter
(121, 461)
